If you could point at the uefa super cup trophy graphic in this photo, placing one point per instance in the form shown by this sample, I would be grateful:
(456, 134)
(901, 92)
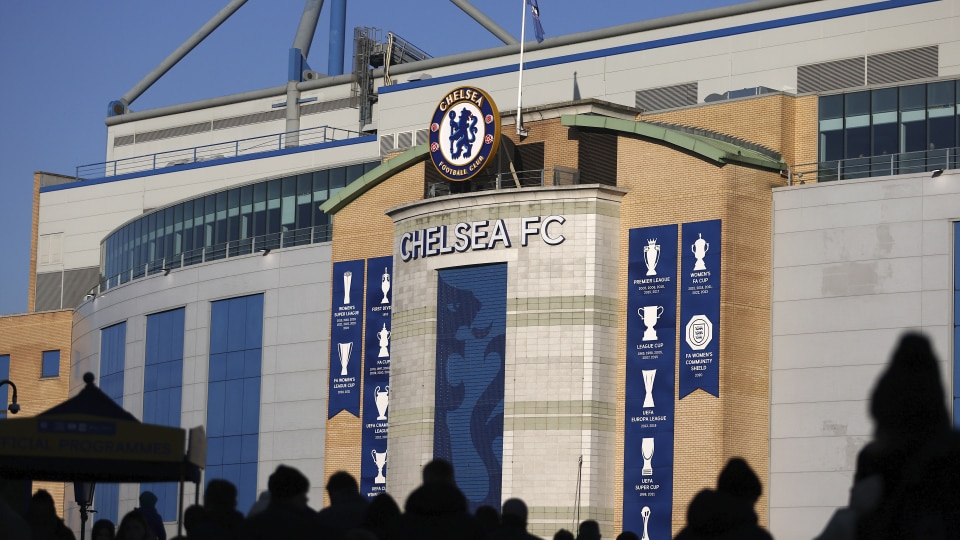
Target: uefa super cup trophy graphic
(650, 316)
(345, 349)
(382, 399)
(651, 256)
(347, 279)
(648, 376)
(646, 449)
(645, 514)
(380, 458)
(385, 285)
(384, 336)
(700, 248)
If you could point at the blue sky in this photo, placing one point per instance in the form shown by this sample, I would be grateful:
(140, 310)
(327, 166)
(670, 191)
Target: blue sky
(62, 61)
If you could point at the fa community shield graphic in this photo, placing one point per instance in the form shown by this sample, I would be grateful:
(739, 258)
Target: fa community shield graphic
(464, 133)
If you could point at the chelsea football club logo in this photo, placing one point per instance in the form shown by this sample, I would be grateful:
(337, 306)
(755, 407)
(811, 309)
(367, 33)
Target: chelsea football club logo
(464, 133)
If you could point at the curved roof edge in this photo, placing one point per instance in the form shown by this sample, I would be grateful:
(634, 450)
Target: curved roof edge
(373, 177)
(719, 151)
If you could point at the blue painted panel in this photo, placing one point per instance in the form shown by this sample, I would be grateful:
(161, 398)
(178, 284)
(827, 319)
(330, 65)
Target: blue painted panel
(700, 307)
(219, 320)
(252, 362)
(233, 413)
(231, 450)
(235, 364)
(346, 337)
(471, 331)
(4, 392)
(218, 367)
(250, 423)
(214, 451)
(216, 401)
(376, 375)
(237, 325)
(249, 448)
(247, 486)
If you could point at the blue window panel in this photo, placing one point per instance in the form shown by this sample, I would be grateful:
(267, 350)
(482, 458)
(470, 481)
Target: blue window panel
(153, 341)
(247, 486)
(218, 327)
(232, 450)
(218, 367)
(149, 406)
(212, 472)
(150, 378)
(106, 501)
(233, 413)
(214, 451)
(254, 331)
(51, 364)
(251, 406)
(235, 365)
(175, 400)
(249, 448)
(216, 400)
(232, 473)
(252, 363)
(237, 328)
(4, 392)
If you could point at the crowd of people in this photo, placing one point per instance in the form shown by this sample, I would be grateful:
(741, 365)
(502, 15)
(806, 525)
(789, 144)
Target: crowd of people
(905, 488)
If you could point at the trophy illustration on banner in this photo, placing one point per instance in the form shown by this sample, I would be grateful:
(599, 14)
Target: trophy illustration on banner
(382, 399)
(648, 376)
(646, 449)
(650, 316)
(700, 248)
(380, 458)
(384, 336)
(651, 256)
(345, 350)
(385, 285)
(347, 279)
(645, 514)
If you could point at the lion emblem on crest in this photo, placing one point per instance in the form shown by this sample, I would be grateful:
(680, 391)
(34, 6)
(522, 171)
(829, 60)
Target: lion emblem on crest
(463, 132)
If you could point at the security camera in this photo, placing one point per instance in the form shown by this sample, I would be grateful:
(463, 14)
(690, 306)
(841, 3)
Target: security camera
(14, 408)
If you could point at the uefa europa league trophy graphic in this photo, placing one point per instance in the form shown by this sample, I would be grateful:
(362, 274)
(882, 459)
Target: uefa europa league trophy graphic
(646, 449)
(651, 256)
(384, 336)
(347, 279)
(345, 349)
(380, 458)
(645, 514)
(650, 316)
(385, 285)
(382, 399)
(648, 376)
(700, 248)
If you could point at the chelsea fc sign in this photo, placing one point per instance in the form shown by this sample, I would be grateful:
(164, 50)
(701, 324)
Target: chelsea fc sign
(464, 133)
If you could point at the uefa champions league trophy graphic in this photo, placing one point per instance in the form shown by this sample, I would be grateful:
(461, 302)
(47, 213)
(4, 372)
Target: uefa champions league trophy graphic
(651, 256)
(345, 349)
(645, 514)
(347, 279)
(380, 458)
(382, 399)
(700, 248)
(650, 316)
(384, 336)
(646, 449)
(648, 376)
(385, 285)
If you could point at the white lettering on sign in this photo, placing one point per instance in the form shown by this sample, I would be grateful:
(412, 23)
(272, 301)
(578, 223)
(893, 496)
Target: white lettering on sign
(478, 235)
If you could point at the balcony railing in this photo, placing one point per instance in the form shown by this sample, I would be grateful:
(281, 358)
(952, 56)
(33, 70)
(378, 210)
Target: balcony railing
(210, 152)
(882, 165)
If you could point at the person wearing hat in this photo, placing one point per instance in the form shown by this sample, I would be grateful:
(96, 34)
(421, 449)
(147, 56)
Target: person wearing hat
(287, 515)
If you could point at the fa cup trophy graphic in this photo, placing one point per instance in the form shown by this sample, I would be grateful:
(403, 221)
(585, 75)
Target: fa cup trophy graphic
(650, 316)
(382, 399)
(384, 337)
(344, 349)
(385, 285)
(700, 248)
(347, 279)
(651, 256)
(380, 458)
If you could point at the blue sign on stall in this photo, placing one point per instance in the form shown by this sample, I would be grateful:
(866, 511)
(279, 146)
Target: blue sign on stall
(376, 379)
(346, 323)
(700, 308)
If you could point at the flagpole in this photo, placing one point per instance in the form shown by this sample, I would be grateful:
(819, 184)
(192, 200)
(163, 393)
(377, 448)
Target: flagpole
(523, 27)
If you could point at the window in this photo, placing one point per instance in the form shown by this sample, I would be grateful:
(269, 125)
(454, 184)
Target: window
(113, 343)
(51, 364)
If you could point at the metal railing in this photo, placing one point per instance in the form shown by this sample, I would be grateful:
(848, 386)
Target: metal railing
(882, 165)
(234, 248)
(210, 152)
(562, 176)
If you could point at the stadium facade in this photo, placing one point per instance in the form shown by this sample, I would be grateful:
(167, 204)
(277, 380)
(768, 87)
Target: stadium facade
(703, 244)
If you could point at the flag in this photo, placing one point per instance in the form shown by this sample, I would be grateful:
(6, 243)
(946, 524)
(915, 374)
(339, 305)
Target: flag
(537, 27)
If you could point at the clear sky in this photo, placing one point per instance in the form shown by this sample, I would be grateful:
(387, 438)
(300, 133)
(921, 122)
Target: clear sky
(62, 61)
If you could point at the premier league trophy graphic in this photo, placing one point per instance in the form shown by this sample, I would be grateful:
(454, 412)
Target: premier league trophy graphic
(651, 256)
(382, 399)
(385, 285)
(344, 349)
(700, 248)
(645, 514)
(650, 316)
(347, 279)
(646, 449)
(648, 376)
(384, 336)
(380, 458)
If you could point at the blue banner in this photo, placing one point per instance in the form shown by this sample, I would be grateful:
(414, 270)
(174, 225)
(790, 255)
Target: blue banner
(346, 323)
(651, 367)
(700, 308)
(376, 377)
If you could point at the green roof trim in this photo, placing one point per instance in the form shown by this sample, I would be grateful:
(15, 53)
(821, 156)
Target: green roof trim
(374, 176)
(718, 151)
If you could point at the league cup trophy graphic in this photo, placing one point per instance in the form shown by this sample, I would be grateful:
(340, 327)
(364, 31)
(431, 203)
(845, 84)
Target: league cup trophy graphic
(345, 349)
(347, 279)
(380, 458)
(385, 285)
(651, 256)
(382, 399)
(384, 336)
(700, 248)
(648, 376)
(650, 316)
(646, 449)
(645, 513)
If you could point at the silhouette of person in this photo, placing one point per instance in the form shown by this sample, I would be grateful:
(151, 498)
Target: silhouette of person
(347, 506)
(103, 529)
(148, 508)
(563, 534)
(727, 512)
(382, 516)
(134, 526)
(287, 516)
(437, 510)
(514, 521)
(43, 519)
(628, 535)
(489, 520)
(589, 530)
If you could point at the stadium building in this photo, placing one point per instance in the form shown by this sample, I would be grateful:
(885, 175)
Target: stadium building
(699, 238)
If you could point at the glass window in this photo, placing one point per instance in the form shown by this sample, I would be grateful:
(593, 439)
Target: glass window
(941, 123)
(273, 206)
(233, 215)
(51, 364)
(246, 212)
(260, 209)
(831, 127)
(221, 231)
(304, 198)
(338, 180)
(289, 207)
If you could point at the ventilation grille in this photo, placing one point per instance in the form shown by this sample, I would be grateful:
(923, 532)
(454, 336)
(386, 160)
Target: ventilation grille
(387, 144)
(848, 73)
(48, 291)
(397, 142)
(247, 119)
(422, 136)
(332, 105)
(76, 284)
(170, 133)
(404, 139)
(667, 97)
(123, 141)
(907, 65)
